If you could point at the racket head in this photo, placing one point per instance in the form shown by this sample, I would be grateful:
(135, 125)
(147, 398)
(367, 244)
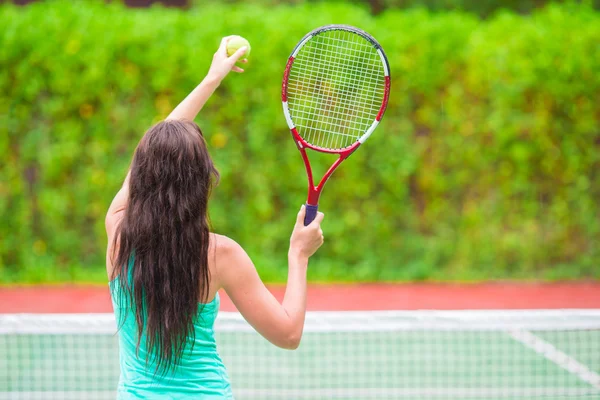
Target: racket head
(335, 88)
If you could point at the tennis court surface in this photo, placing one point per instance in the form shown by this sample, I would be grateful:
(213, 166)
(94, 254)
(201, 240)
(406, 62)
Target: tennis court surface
(485, 354)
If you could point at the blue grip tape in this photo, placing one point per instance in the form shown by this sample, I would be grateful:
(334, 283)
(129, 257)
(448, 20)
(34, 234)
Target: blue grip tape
(311, 213)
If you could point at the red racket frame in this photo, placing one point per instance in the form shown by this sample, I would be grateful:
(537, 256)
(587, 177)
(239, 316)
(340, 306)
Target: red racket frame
(314, 192)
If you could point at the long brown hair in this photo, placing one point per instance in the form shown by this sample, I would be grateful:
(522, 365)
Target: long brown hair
(162, 241)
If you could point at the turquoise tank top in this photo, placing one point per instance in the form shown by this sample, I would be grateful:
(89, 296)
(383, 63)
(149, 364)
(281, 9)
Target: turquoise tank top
(200, 375)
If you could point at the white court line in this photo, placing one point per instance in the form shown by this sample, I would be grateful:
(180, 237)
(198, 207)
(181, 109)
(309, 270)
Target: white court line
(411, 393)
(62, 395)
(336, 393)
(553, 354)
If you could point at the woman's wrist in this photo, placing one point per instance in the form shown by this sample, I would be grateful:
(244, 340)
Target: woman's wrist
(296, 258)
(212, 80)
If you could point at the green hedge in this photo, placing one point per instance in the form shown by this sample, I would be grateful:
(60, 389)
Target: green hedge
(486, 166)
(482, 8)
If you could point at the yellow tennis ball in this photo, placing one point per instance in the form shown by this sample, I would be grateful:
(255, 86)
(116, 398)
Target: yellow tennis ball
(235, 43)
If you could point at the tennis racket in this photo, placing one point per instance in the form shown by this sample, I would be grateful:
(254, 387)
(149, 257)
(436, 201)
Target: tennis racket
(335, 90)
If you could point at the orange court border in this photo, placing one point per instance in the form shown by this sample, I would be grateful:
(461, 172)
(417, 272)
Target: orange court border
(338, 297)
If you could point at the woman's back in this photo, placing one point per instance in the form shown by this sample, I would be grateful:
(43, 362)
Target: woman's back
(199, 374)
(162, 262)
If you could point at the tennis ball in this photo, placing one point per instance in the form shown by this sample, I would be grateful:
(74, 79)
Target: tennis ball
(235, 43)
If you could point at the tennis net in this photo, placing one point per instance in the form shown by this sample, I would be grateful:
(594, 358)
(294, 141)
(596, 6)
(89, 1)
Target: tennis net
(549, 354)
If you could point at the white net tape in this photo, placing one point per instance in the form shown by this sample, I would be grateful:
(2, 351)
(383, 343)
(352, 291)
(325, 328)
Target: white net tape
(343, 355)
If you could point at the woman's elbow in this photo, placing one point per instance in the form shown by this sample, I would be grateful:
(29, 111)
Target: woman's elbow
(292, 341)
(289, 340)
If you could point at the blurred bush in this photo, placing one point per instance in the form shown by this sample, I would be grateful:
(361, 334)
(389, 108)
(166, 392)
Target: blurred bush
(482, 8)
(486, 165)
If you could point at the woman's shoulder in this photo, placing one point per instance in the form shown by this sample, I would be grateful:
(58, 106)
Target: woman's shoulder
(230, 259)
(225, 247)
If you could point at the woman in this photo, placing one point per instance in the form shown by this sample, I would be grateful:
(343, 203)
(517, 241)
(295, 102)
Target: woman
(165, 267)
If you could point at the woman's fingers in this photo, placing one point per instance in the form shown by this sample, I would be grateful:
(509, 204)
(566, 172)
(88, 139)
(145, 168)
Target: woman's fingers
(223, 45)
(235, 68)
(235, 57)
(225, 40)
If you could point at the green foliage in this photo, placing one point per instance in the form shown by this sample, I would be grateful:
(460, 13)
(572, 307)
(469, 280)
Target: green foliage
(485, 167)
(481, 8)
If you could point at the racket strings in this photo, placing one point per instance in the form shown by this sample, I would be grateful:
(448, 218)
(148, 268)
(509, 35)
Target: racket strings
(342, 120)
(335, 88)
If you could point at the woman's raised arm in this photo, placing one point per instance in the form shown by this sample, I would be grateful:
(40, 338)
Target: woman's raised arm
(187, 110)
(220, 67)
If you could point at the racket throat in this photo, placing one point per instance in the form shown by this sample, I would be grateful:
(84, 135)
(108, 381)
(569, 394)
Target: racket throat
(314, 192)
(313, 195)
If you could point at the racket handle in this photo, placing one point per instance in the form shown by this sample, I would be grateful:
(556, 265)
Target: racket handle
(311, 213)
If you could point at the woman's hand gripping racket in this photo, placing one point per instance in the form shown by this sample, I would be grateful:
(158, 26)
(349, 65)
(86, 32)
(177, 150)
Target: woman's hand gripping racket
(335, 90)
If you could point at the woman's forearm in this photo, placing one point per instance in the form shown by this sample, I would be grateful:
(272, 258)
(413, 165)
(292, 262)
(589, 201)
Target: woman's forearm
(221, 65)
(193, 103)
(294, 300)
